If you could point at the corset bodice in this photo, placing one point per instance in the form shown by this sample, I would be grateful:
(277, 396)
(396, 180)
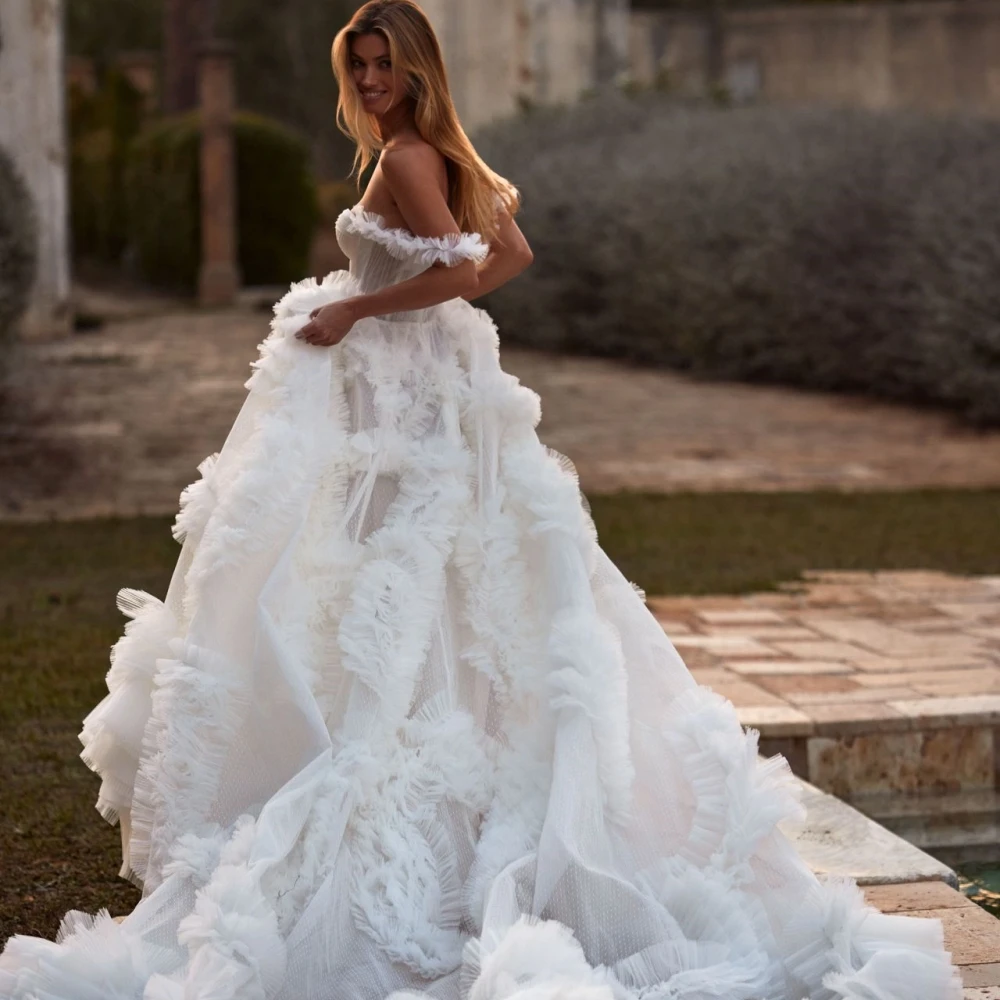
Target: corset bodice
(380, 255)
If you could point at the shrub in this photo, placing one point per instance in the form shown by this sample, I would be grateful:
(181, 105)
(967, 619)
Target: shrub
(18, 247)
(334, 197)
(101, 126)
(832, 249)
(101, 29)
(277, 206)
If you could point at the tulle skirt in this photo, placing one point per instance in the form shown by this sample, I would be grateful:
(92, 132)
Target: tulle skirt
(401, 727)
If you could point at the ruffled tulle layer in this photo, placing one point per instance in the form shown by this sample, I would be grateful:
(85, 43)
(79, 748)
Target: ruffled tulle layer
(401, 728)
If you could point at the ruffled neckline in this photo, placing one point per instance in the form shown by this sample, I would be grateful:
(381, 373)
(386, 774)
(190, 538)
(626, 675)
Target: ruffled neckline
(450, 249)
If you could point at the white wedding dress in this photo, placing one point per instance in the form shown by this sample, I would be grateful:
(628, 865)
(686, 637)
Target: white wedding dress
(401, 728)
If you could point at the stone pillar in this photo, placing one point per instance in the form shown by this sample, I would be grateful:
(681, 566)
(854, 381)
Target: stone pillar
(33, 132)
(218, 279)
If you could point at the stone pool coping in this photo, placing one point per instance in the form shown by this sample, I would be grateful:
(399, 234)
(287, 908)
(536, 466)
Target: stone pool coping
(896, 877)
(836, 839)
(869, 684)
(875, 687)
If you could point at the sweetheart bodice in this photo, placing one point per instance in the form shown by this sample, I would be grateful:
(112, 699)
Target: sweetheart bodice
(381, 255)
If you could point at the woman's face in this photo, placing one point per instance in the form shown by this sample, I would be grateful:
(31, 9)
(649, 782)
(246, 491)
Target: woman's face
(380, 87)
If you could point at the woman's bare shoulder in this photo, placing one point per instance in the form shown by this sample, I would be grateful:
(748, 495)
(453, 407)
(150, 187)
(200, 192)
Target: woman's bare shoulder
(409, 156)
(411, 144)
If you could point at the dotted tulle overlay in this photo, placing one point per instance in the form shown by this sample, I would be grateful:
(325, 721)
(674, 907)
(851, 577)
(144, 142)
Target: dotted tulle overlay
(400, 727)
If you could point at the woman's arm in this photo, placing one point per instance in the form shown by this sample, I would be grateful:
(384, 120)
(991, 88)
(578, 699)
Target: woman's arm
(509, 256)
(414, 177)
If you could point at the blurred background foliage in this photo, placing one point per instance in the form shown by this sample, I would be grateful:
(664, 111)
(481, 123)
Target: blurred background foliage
(277, 203)
(103, 29)
(832, 249)
(133, 173)
(18, 254)
(282, 54)
(841, 250)
(102, 127)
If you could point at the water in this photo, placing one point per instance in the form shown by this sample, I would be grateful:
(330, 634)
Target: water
(981, 883)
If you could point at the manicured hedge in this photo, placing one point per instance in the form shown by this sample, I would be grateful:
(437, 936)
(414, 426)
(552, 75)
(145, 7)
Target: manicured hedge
(277, 208)
(101, 127)
(834, 249)
(18, 246)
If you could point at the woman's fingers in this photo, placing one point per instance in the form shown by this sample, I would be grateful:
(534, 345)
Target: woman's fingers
(313, 334)
(316, 333)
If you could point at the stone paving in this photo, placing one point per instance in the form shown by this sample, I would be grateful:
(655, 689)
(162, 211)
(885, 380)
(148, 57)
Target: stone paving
(116, 421)
(970, 933)
(882, 689)
(846, 649)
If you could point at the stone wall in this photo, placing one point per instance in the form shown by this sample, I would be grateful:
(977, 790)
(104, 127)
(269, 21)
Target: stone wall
(942, 55)
(32, 130)
(503, 55)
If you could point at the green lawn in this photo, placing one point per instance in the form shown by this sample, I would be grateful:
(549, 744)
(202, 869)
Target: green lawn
(58, 618)
(741, 542)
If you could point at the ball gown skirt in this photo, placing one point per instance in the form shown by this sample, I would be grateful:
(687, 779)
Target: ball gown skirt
(401, 728)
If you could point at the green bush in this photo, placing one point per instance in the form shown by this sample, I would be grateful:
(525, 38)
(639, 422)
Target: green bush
(102, 29)
(833, 249)
(101, 127)
(334, 197)
(18, 247)
(277, 208)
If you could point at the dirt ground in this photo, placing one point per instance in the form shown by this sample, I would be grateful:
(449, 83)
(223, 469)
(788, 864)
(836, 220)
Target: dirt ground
(115, 421)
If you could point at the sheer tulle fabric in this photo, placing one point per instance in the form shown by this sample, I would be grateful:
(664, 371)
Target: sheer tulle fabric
(401, 728)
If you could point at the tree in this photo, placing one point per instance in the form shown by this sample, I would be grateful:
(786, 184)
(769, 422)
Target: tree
(102, 29)
(283, 66)
(282, 53)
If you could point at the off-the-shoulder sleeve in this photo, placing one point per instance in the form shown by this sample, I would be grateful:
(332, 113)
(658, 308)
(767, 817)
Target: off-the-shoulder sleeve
(450, 249)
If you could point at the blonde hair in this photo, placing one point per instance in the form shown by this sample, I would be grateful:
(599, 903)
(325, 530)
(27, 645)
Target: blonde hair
(474, 190)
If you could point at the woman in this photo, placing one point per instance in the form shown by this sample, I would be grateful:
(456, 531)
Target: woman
(401, 727)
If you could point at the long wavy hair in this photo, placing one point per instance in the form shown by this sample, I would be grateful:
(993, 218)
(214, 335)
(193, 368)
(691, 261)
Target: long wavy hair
(473, 188)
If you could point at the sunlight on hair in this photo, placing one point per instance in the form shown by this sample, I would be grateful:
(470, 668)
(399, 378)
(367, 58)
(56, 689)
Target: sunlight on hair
(415, 50)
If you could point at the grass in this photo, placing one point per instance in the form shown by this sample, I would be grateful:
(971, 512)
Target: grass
(58, 619)
(731, 543)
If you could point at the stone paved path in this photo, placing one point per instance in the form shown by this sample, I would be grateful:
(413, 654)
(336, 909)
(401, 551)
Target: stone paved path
(848, 652)
(970, 933)
(127, 413)
(882, 689)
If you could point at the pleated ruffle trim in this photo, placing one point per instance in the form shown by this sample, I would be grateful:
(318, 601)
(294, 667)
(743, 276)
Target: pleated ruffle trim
(449, 250)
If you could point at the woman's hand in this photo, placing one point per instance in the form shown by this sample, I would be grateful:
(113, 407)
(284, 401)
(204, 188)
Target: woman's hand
(329, 324)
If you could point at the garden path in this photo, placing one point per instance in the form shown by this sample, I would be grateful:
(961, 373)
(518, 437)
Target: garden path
(114, 422)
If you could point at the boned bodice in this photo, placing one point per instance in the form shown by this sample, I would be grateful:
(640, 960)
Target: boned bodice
(380, 255)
